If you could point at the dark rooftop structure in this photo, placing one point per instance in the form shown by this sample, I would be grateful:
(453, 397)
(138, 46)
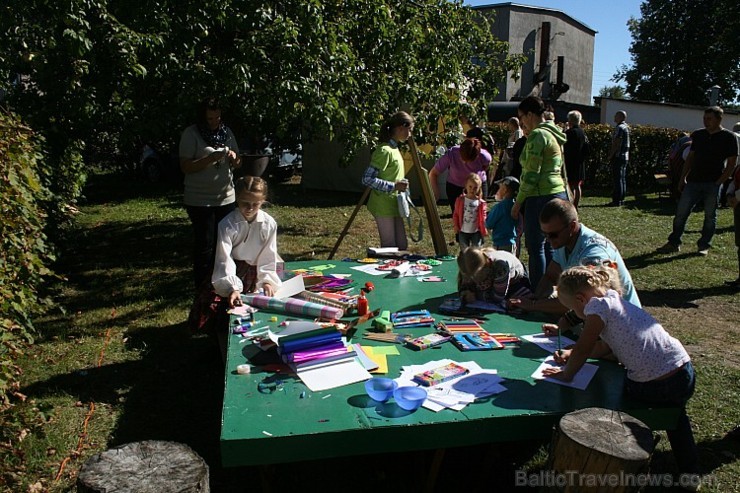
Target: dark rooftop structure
(560, 52)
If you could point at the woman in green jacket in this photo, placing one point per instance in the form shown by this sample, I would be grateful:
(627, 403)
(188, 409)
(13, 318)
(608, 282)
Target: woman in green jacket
(541, 180)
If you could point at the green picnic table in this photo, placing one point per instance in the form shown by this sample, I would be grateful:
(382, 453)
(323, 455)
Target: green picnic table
(290, 423)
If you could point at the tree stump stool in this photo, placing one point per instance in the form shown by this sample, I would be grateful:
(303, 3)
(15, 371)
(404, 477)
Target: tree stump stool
(145, 467)
(600, 450)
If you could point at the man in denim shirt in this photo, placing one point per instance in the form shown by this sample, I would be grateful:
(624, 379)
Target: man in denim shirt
(619, 157)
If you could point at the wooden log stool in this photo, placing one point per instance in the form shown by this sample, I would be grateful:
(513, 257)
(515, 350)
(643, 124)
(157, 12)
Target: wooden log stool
(600, 450)
(145, 467)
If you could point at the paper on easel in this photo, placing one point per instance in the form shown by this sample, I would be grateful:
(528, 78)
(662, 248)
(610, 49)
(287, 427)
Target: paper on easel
(291, 287)
(382, 250)
(580, 380)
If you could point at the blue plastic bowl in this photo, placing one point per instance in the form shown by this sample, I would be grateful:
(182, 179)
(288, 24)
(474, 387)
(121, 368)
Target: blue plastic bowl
(380, 389)
(410, 398)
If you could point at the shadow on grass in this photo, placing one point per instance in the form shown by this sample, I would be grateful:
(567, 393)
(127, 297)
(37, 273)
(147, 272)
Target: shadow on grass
(172, 392)
(713, 454)
(144, 264)
(106, 188)
(681, 297)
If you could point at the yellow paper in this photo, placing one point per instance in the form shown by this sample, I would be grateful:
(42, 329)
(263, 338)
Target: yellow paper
(379, 355)
(381, 360)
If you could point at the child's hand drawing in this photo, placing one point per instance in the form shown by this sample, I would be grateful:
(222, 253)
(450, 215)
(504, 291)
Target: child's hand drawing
(558, 373)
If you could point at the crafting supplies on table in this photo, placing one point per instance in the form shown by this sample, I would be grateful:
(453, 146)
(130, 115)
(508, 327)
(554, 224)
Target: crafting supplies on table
(414, 318)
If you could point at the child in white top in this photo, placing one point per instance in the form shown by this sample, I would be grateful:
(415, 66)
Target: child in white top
(469, 217)
(246, 250)
(658, 367)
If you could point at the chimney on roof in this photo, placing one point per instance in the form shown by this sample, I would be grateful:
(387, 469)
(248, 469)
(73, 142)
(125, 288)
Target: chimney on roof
(544, 69)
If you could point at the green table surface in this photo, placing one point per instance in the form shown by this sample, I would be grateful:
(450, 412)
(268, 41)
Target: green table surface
(282, 426)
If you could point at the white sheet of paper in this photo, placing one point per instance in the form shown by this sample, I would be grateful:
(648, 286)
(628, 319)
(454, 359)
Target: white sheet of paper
(371, 269)
(580, 381)
(331, 377)
(548, 343)
(291, 287)
(294, 327)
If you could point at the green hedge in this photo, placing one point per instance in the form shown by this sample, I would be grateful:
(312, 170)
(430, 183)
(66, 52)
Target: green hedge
(24, 252)
(649, 148)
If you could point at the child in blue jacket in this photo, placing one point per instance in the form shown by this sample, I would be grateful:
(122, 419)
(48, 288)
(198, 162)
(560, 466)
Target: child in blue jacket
(499, 222)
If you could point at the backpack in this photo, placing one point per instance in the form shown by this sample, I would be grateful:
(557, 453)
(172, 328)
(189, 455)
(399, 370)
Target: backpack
(675, 157)
(675, 163)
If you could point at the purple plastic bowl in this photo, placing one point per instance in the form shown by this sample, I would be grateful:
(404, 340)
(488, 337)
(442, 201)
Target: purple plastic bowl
(380, 389)
(410, 398)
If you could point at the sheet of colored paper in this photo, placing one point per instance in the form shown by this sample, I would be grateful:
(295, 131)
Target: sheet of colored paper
(381, 360)
(364, 358)
(386, 350)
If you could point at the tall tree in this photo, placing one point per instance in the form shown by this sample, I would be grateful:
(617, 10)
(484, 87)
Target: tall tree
(614, 92)
(93, 69)
(681, 48)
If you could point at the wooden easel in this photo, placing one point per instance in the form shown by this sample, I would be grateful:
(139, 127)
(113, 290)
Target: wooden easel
(430, 205)
(427, 198)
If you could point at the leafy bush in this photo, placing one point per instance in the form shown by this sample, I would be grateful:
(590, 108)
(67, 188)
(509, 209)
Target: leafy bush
(24, 254)
(649, 148)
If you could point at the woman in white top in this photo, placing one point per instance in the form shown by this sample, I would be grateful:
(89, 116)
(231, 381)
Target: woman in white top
(208, 155)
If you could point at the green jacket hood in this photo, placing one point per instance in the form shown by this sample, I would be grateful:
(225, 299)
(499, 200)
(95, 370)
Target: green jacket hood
(554, 130)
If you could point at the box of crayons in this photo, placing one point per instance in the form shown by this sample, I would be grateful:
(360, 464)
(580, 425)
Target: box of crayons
(415, 318)
(475, 341)
(427, 341)
(441, 374)
(455, 325)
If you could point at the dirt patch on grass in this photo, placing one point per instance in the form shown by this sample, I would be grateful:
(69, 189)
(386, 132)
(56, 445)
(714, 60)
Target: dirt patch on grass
(706, 329)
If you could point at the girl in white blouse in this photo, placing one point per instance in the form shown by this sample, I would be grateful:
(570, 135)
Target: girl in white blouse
(246, 250)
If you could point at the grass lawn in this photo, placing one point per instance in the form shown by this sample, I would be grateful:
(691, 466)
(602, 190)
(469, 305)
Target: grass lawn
(114, 362)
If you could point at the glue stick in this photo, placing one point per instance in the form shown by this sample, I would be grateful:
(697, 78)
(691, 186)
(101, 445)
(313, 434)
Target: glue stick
(362, 304)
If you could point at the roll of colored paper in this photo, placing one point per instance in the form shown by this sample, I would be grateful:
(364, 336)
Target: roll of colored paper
(293, 306)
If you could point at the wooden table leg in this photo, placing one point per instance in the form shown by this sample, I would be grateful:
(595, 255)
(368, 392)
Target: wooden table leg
(439, 455)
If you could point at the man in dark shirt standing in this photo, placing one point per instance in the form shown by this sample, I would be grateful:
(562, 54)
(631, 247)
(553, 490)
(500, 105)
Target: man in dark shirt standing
(709, 164)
